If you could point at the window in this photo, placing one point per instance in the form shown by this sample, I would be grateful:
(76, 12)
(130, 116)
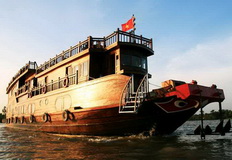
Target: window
(31, 108)
(35, 83)
(117, 61)
(74, 51)
(47, 65)
(52, 62)
(126, 60)
(46, 80)
(144, 63)
(129, 60)
(59, 59)
(66, 55)
(84, 69)
(22, 109)
(68, 70)
(75, 70)
(16, 110)
(136, 61)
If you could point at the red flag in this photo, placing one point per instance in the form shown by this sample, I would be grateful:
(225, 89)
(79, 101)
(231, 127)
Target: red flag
(128, 25)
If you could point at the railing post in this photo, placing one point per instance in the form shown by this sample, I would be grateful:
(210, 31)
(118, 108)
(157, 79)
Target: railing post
(133, 90)
(141, 39)
(62, 55)
(52, 85)
(77, 77)
(151, 45)
(49, 62)
(147, 84)
(70, 51)
(79, 46)
(56, 59)
(89, 42)
(104, 41)
(117, 35)
(58, 82)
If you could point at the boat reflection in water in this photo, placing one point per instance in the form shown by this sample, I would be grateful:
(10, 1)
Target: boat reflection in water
(38, 145)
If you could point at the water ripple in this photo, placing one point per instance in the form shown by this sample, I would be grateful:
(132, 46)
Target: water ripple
(19, 144)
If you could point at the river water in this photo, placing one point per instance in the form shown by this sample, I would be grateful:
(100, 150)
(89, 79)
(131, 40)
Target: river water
(19, 144)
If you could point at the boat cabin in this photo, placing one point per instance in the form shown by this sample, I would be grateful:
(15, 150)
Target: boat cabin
(119, 53)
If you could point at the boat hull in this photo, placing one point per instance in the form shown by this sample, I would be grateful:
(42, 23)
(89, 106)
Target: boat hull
(108, 121)
(100, 121)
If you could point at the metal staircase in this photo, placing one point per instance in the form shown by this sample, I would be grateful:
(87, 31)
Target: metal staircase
(131, 100)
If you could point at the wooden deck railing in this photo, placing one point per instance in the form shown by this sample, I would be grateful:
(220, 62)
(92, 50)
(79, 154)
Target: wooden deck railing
(29, 65)
(22, 89)
(54, 85)
(91, 42)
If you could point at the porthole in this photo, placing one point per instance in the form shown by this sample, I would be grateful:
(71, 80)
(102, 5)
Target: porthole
(40, 103)
(46, 101)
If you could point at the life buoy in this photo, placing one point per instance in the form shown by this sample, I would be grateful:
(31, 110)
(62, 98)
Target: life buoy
(66, 82)
(31, 118)
(45, 117)
(65, 115)
(44, 89)
(15, 119)
(22, 119)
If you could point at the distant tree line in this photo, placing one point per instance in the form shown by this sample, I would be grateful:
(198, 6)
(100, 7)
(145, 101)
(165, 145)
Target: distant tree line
(226, 114)
(3, 114)
(1, 117)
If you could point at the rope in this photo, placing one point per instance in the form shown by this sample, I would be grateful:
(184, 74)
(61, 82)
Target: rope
(154, 85)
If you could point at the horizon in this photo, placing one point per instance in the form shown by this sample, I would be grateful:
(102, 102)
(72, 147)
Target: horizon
(192, 40)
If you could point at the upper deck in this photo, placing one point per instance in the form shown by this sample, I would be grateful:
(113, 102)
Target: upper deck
(30, 66)
(115, 39)
(118, 37)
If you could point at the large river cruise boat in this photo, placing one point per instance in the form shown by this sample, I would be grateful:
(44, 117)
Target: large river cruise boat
(100, 86)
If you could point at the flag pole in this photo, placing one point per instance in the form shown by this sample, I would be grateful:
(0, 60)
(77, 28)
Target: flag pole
(133, 31)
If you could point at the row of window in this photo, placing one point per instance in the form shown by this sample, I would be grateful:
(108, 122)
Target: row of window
(25, 109)
(61, 103)
(83, 69)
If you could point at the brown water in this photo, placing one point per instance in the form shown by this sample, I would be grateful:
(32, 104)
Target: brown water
(18, 144)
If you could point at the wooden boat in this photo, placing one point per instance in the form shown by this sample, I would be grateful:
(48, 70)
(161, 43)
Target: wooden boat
(100, 87)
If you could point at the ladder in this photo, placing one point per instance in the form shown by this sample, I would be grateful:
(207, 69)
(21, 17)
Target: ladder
(130, 100)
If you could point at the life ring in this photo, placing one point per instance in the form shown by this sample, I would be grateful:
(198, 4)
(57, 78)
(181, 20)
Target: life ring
(31, 118)
(15, 119)
(65, 115)
(44, 89)
(45, 117)
(22, 119)
(66, 82)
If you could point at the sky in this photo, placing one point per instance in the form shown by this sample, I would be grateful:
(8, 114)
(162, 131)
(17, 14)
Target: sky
(192, 38)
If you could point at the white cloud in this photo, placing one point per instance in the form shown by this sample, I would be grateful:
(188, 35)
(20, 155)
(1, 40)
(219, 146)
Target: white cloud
(208, 56)
(208, 63)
